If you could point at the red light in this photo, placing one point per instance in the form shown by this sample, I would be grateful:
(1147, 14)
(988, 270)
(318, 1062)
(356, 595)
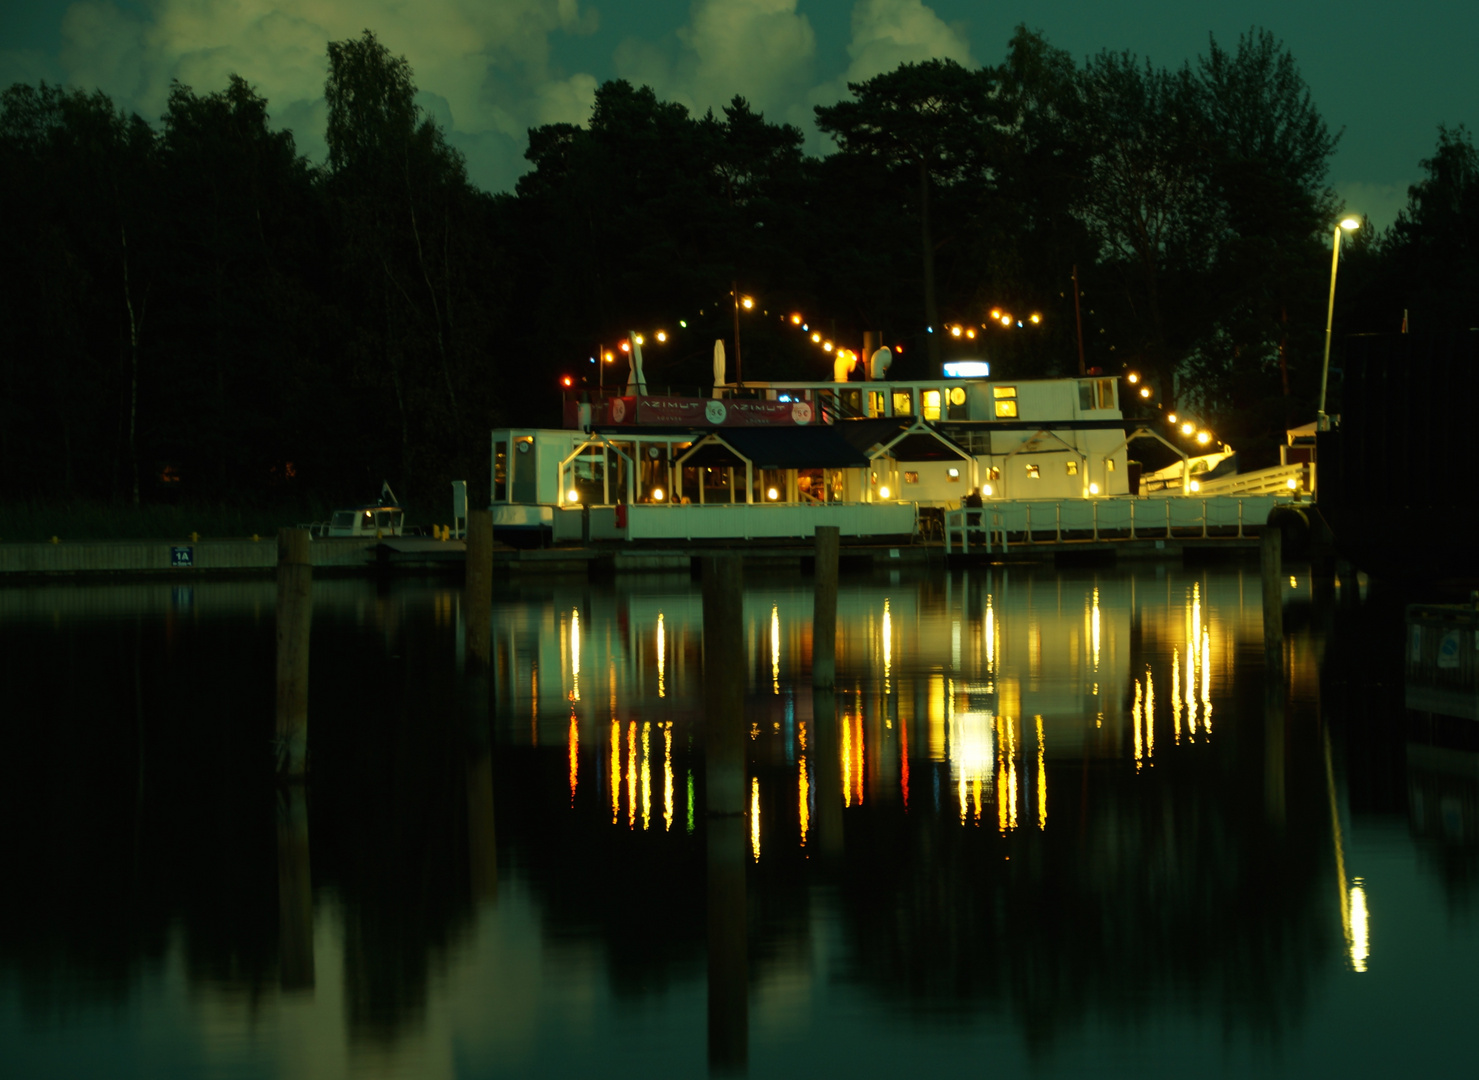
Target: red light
(567, 381)
(626, 346)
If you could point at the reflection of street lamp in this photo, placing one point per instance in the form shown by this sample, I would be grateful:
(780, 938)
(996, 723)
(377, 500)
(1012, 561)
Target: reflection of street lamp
(1349, 224)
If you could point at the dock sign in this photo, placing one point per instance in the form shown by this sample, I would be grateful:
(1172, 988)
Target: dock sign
(182, 556)
(1448, 650)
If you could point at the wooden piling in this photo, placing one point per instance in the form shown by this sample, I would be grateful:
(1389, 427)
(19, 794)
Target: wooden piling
(728, 974)
(294, 621)
(294, 891)
(1271, 565)
(824, 611)
(478, 590)
(724, 684)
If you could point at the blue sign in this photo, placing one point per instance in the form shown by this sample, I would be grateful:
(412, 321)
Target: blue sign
(182, 556)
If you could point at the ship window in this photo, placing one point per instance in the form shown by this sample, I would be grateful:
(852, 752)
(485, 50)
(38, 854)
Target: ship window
(1109, 464)
(911, 478)
(500, 471)
(1085, 396)
(1033, 472)
(931, 404)
(993, 473)
(875, 403)
(903, 403)
(1006, 409)
(342, 519)
(1072, 467)
(1106, 393)
(952, 476)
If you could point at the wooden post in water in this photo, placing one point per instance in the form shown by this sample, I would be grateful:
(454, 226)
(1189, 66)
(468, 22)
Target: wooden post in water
(1271, 565)
(294, 621)
(824, 613)
(724, 685)
(825, 749)
(478, 590)
(294, 890)
(724, 754)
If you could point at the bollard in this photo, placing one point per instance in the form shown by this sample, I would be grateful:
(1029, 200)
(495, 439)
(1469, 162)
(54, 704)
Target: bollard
(294, 891)
(728, 974)
(1271, 558)
(824, 611)
(724, 684)
(478, 590)
(294, 621)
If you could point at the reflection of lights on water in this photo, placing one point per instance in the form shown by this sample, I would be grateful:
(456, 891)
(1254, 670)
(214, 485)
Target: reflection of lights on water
(1042, 779)
(775, 648)
(972, 757)
(1136, 720)
(615, 770)
(888, 644)
(646, 775)
(990, 636)
(803, 798)
(852, 758)
(690, 802)
(755, 816)
(632, 774)
(1359, 943)
(1207, 681)
(662, 685)
(1006, 773)
(572, 737)
(1176, 694)
(904, 761)
(575, 654)
(1149, 716)
(1094, 627)
(667, 776)
(1293, 582)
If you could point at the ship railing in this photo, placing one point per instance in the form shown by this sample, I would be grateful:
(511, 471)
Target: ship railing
(994, 526)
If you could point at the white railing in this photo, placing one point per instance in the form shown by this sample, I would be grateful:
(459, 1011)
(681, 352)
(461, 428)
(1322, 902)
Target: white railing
(736, 521)
(1053, 521)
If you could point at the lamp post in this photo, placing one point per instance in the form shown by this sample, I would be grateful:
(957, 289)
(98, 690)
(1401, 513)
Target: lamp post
(1350, 224)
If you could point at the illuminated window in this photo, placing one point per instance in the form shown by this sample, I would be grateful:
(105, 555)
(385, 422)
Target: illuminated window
(903, 403)
(1109, 464)
(952, 476)
(1033, 473)
(1072, 467)
(957, 395)
(911, 478)
(875, 403)
(993, 473)
(1106, 393)
(931, 409)
(1006, 409)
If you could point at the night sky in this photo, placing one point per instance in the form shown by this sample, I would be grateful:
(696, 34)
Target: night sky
(1387, 74)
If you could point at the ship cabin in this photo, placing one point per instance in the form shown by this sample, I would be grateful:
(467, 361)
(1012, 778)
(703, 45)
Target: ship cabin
(778, 458)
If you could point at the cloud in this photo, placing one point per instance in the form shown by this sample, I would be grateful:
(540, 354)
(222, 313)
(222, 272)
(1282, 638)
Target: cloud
(763, 50)
(485, 64)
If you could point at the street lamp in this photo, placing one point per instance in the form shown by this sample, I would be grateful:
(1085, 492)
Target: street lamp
(1349, 225)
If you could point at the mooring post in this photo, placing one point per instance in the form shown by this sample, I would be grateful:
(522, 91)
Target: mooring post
(294, 621)
(294, 890)
(724, 684)
(478, 590)
(725, 831)
(1271, 559)
(824, 612)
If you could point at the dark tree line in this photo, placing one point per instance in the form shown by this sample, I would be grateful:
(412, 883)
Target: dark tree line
(194, 311)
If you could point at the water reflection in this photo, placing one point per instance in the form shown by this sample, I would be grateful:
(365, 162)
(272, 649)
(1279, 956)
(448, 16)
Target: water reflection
(1011, 812)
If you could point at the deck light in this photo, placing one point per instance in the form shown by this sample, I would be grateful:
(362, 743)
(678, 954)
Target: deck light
(567, 381)
(816, 338)
(1171, 418)
(1194, 486)
(772, 494)
(657, 494)
(747, 303)
(1145, 391)
(1036, 318)
(796, 320)
(1132, 378)
(1093, 489)
(662, 335)
(827, 347)
(1188, 428)
(986, 489)
(683, 323)
(883, 492)
(639, 339)
(1006, 320)
(572, 496)
(955, 331)
(996, 314)
(971, 334)
(1291, 483)
(626, 346)
(1204, 437)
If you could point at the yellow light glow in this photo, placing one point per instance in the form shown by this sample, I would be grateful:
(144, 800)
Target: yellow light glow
(883, 492)
(888, 644)
(1204, 437)
(996, 314)
(1350, 224)
(1170, 418)
(772, 494)
(827, 346)
(796, 320)
(1360, 930)
(1132, 378)
(572, 496)
(1145, 391)
(609, 356)
(632, 774)
(1187, 429)
(955, 331)
(662, 335)
(755, 816)
(615, 771)
(747, 303)
(1036, 318)
(775, 647)
(662, 653)
(1042, 779)
(667, 776)
(626, 346)
(803, 796)
(572, 739)
(1093, 488)
(1194, 486)
(971, 334)
(1006, 320)
(646, 775)
(986, 489)
(639, 339)
(657, 494)
(1291, 483)
(816, 338)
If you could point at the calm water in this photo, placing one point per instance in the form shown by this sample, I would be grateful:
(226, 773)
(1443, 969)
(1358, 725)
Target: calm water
(1049, 824)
